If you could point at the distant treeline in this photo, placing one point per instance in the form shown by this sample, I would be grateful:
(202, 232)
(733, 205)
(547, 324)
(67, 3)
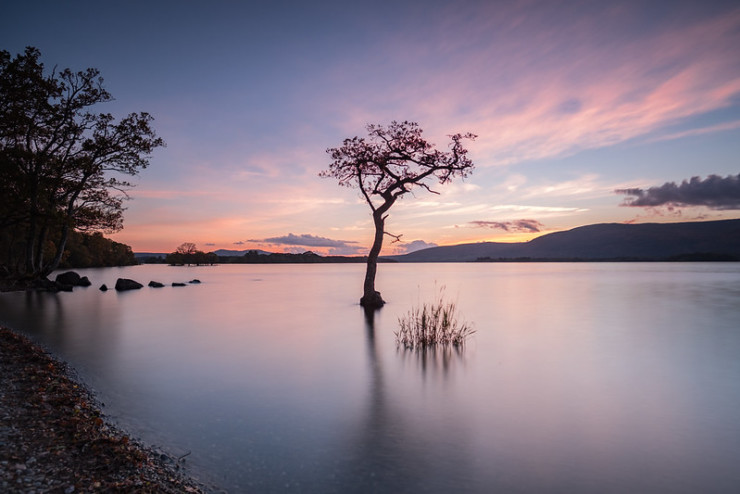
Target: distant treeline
(254, 257)
(200, 258)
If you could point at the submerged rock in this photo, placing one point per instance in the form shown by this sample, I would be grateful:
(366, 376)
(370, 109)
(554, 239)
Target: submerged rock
(156, 284)
(127, 284)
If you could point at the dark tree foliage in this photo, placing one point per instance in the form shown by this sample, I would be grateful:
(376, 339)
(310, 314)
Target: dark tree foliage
(391, 162)
(61, 164)
(95, 251)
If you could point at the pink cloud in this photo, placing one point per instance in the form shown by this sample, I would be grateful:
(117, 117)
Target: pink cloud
(535, 88)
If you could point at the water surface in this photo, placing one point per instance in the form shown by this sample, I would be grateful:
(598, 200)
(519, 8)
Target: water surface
(580, 377)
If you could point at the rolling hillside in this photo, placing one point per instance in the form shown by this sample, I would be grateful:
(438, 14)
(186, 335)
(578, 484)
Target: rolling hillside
(607, 241)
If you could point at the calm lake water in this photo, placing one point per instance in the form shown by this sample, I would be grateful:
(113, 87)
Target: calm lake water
(580, 377)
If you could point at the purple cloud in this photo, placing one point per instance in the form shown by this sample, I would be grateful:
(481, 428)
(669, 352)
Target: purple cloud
(305, 240)
(713, 192)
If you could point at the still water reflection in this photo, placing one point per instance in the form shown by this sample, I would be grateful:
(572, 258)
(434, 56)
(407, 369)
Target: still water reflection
(580, 377)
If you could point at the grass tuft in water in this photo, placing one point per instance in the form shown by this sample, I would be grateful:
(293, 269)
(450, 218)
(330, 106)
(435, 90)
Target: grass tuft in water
(433, 324)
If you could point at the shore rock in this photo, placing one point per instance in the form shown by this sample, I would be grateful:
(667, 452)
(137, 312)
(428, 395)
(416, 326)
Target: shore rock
(84, 281)
(68, 278)
(127, 284)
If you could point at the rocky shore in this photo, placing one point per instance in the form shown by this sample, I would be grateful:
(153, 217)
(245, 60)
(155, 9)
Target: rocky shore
(54, 439)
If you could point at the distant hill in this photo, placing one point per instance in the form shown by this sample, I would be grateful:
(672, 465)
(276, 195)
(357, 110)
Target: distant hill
(705, 240)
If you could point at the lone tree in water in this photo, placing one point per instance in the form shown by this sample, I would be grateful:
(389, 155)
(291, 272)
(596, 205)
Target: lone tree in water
(391, 162)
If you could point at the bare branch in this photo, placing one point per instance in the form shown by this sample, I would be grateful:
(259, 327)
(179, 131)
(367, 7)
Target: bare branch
(397, 238)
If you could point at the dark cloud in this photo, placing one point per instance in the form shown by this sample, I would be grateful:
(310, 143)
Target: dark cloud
(210, 244)
(240, 242)
(510, 226)
(714, 192)
(413, 246)
(305, 240)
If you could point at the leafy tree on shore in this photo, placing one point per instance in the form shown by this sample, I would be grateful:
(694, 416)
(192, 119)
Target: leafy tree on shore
(390, 163)
(95, 251)
(61, 164)
(188, 253)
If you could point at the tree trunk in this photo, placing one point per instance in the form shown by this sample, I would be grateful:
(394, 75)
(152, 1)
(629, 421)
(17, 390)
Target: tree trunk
(46, 270)
(371, 298)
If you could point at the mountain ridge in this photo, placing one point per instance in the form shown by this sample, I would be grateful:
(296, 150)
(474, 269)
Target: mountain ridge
(718, 239)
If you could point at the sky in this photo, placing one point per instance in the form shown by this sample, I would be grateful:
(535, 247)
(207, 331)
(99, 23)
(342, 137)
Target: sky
(586, 112)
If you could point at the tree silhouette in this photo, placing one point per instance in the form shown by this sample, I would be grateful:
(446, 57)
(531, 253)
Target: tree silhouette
(188, 253)
(187, 248)
(391, 162)
(60, 163)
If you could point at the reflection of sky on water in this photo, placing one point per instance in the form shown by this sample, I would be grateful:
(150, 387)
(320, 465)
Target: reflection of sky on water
(579, 378)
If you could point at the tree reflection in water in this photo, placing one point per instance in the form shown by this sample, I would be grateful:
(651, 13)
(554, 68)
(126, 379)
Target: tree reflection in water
(386, 450)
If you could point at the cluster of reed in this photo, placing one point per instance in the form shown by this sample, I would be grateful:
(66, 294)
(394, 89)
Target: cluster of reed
(432, 324)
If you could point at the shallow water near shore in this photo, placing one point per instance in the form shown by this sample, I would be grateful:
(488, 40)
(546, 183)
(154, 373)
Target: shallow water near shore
(581, 377)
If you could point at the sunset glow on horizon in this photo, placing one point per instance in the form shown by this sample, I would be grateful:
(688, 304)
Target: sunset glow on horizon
(580, 108)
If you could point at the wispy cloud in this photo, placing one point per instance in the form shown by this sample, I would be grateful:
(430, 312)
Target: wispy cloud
(723, 127)
(530, 226)
(532, 92)
(585, 186)
(714, 192)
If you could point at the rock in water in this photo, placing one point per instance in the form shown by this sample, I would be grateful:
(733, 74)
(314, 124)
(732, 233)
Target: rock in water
(69, 278)
(178, 284)
(156, 284)
(127, 284)
(103, 287)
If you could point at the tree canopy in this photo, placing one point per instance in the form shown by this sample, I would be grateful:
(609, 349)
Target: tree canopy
(188, 253)
(391, 162)
(62, 166)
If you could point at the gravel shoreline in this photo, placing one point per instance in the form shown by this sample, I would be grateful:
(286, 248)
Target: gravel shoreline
(54, 438)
